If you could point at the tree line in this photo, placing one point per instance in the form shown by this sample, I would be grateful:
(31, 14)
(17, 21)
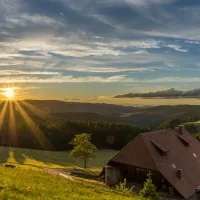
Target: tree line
(103, 134)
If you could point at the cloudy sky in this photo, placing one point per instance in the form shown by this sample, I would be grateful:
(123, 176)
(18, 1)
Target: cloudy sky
(64, 49)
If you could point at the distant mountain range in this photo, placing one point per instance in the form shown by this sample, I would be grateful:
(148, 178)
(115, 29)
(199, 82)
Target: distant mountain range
(141, 116)
(54, 106)
(170, 93)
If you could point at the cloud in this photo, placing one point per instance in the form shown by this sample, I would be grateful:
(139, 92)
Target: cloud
(107, 69)
(61, 46)
(173, 80)
(96, 79)
(21, 88)
(143, 44)
(18, 72)
(25, 20)
(48, 41)
(192, 42)
(169, 93)
(144, 2)
(87, 51)
(177, 48)
(63, 79)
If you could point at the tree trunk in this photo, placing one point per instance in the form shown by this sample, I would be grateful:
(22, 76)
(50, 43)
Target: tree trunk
(85, 162)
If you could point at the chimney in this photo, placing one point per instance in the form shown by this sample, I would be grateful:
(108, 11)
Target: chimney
(180, 129)
(179, 173)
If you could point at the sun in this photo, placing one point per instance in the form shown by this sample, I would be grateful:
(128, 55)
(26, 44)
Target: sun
(9, 93)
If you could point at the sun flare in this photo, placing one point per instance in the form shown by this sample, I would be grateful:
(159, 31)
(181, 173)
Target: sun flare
(9, 93)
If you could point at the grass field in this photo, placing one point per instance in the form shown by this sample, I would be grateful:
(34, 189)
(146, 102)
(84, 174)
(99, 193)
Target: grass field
(36, 158)
(26, 184)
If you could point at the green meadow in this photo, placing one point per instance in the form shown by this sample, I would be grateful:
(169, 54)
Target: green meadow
(29, 182)
(50, 159)
(26, 184)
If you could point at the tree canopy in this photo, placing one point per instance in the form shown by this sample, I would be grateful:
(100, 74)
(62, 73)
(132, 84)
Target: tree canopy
(82, 147)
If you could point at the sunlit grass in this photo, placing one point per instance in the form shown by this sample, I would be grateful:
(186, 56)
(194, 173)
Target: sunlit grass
(26, 184)
(49, 159)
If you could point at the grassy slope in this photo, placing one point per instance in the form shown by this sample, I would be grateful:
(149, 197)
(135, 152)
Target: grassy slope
(193, 127)
(27, 184)
(36, 158)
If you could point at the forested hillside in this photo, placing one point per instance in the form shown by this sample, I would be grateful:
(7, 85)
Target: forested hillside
(140, 116)
(104, 134)
(26, 125)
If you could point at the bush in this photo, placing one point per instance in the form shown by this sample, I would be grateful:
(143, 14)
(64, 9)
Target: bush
(197, 136)
(171, 123)
(149, 190)
(122, 188)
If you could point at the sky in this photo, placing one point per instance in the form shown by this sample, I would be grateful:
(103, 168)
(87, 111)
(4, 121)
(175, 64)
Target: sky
(84, 49)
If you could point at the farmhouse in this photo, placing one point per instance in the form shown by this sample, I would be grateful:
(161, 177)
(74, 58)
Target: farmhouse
(171, 155)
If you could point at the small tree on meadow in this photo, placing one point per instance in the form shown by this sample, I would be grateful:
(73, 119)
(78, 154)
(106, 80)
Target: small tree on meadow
(149, 189)
(82, 147)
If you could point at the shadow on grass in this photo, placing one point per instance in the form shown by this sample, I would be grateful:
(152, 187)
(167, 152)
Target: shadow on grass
(48, 159)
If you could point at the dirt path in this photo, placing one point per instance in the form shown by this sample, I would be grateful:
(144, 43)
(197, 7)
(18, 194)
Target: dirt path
(65, 173)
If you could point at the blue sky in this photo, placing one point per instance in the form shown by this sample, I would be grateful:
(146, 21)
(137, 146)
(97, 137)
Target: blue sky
(64, 49)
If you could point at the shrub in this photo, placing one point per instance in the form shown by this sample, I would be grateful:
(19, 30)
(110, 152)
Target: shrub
(149, 189)
(124, 189)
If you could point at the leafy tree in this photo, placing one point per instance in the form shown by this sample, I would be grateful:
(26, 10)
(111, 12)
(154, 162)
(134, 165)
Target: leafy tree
(192, 128)
(171, 123)
(149, 189)
(83, 148)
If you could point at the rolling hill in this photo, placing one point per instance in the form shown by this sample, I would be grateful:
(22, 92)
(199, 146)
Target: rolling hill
(141, 116)
(30, 124)
(53, 106)
(28, 181)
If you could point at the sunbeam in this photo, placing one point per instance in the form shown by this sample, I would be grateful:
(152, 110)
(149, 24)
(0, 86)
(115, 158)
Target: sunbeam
(12, 124)
(39, 113)
(39, 135)
(35, 110)
(2, 114)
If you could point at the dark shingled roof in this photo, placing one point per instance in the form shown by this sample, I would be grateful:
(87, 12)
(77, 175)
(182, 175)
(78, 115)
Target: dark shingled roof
(182, 151)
